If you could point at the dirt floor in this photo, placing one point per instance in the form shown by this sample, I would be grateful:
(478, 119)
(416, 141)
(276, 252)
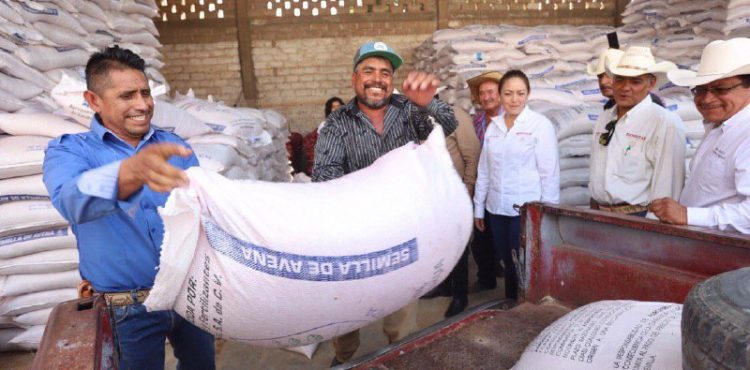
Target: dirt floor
(231, 355)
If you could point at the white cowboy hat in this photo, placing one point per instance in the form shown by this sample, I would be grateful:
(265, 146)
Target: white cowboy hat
(597, 67)
(720, 59)
(637, 61)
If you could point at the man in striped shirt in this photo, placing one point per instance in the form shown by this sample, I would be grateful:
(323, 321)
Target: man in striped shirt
(373, 123)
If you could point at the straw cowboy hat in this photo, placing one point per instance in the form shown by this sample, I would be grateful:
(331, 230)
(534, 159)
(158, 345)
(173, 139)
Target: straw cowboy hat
(474, 82)
(609, 56)
(720, 59)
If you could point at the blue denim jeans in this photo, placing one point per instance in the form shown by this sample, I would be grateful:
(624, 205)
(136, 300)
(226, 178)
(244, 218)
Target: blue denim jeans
(141, 337)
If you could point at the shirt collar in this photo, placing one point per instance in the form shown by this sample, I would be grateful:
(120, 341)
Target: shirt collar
(640, 106)
(100, 131)
(742, 116)
(522, 117)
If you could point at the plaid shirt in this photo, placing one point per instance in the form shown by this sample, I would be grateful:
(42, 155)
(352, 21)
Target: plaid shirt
(348, 141)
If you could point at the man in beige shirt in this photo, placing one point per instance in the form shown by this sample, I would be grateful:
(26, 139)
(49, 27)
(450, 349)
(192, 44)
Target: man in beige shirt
(463, 145)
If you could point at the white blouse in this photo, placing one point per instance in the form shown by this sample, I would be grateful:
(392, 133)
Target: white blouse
(518, 165)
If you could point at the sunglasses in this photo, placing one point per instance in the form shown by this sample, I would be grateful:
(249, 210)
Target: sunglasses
(606, 137)
(716, 91)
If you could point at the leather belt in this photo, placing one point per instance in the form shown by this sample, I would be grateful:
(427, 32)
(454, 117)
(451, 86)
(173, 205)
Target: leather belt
(126, 298)
(618, 208)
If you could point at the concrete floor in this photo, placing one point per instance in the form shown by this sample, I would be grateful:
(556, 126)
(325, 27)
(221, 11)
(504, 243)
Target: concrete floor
(231, 355)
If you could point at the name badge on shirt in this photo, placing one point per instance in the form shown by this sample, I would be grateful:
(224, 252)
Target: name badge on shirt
(720, 153)
(635, 136)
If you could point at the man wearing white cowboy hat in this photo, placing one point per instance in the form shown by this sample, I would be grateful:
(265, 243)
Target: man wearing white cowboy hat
(598, 68)
(638, 149)
(717, 194)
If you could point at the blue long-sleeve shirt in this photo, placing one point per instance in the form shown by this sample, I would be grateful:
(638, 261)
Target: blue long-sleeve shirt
(119, 241)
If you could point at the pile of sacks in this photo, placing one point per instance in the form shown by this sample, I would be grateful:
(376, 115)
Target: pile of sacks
(44, 46)
(42, 41)
(555, 59)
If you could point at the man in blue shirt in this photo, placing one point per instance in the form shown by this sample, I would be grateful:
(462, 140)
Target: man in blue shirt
(108, 183)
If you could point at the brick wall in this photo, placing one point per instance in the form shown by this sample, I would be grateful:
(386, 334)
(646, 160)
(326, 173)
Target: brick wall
(298, 62)
(207, 68)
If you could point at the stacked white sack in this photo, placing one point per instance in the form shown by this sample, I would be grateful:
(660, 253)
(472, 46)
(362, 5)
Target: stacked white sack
(40, 42)
(244, 143)
(38, 255)
(554, 58)
(230, 266)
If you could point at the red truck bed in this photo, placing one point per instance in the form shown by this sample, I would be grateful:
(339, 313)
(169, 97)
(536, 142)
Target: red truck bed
(572, 257)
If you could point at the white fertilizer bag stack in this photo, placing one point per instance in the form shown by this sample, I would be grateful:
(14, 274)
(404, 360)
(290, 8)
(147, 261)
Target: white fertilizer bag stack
(609, 335)
(230, 265)
(41, 44)
(554, 58)
(244, 143)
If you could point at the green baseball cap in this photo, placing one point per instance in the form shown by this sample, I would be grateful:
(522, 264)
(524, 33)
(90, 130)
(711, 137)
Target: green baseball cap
(377, 49)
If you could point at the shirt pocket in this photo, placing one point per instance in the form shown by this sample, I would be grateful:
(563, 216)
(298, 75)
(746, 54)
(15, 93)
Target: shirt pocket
(717, 173)
(632, 165)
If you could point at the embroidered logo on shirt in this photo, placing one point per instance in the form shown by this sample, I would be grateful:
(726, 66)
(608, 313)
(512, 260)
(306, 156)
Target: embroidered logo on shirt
(523, 133)
(720, 153)
(635, 136)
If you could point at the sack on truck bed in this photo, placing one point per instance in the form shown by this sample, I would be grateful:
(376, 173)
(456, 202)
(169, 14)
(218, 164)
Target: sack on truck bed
(282, 264)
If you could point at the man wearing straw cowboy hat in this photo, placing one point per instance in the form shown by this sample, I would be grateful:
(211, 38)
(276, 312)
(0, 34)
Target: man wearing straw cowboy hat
(638, 149)
(717, 194)
(485, 90)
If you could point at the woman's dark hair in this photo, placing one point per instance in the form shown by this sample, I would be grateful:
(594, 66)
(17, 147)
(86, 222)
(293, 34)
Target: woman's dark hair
(329, 104)
(514, 73)
(745, 80)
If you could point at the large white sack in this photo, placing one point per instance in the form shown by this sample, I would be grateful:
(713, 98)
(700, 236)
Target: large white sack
(19, 284)
(35, 301)
(36, 241)
(21, 89)
(169, 117)
(574, 162)
(21, 155)
(49, 261)
(45, 58)
(13, 66)
(9, 103)
(34, 11)
(39, 124)
(216, 157)
(575, 120)
(575, 196)
(228, 246)
(62, 36)
(22, 188)
(89, 23)
(22, 34)
(7, 45)
(38, 317)
(575, 146)
(9, 12)
(574, 177)
(556, 96)
(30, 338)
(609, 335)
(28, 215)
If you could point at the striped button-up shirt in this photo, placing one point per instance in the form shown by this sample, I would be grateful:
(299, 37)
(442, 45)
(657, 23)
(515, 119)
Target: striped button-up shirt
(348, 141)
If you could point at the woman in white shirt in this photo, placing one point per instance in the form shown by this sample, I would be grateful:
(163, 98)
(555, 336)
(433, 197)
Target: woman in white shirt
(519, 163)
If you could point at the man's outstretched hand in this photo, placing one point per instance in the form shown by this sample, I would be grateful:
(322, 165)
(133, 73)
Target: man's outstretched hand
(150, 167)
